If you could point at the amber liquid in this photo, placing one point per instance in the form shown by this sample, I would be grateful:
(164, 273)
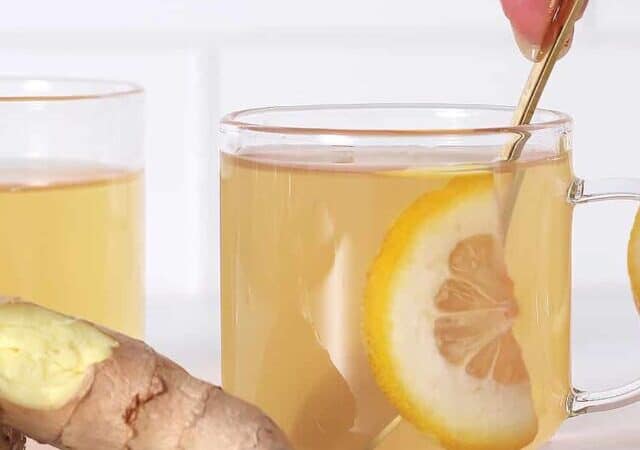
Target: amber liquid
(297, 241)
(71, 238)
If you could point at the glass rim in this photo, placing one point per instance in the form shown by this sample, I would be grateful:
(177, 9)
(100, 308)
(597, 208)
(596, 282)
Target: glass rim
(111, 89)
(235, 120)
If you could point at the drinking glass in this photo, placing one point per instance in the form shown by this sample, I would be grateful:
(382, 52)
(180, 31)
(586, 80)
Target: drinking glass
(389, 281)
(71, 197)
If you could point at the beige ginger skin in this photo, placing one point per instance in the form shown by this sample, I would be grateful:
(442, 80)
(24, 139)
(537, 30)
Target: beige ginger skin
(11, 439)
(74, 385)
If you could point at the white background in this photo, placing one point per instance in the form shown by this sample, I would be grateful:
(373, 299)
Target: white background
(198, 59)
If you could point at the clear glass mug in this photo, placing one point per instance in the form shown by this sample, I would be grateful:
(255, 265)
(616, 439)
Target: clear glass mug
(389, 282)
(71, 197)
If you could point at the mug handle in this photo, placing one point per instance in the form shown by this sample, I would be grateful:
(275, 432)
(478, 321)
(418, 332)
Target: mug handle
(581, 191)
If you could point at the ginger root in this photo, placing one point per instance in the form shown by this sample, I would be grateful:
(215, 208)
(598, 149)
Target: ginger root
(11, 439)
(75, 385)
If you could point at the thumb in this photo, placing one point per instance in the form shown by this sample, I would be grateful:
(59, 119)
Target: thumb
(533, 20)
(530, 19)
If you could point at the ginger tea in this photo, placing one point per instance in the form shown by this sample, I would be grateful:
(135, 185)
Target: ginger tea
(71, 238)
(354, 292)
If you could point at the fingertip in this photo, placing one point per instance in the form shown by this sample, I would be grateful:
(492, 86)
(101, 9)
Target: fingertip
(530, 18)
(528, 50)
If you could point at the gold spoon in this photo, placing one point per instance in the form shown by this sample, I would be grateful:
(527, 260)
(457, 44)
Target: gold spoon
(510, 181)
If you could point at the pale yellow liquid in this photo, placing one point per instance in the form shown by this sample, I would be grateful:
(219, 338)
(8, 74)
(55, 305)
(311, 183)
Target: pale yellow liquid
(71, 239)
(297, 241)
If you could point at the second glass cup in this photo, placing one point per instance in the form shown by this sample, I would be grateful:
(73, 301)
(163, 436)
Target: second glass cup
(388, 282)
(71, 198)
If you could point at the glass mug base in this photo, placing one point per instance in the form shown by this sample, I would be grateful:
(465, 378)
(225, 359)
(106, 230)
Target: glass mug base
(377, 292)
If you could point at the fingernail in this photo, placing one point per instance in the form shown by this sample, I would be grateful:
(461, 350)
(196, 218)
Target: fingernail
(531, 52)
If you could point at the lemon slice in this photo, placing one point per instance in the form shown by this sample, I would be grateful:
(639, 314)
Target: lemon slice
(633, 259)
(439, 309)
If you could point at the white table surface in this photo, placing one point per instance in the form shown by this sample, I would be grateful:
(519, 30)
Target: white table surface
(606, 352)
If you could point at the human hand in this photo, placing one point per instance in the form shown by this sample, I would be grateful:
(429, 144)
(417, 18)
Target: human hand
(532, 20)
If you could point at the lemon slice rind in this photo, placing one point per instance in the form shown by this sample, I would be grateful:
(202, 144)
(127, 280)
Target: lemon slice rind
(436, 396)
